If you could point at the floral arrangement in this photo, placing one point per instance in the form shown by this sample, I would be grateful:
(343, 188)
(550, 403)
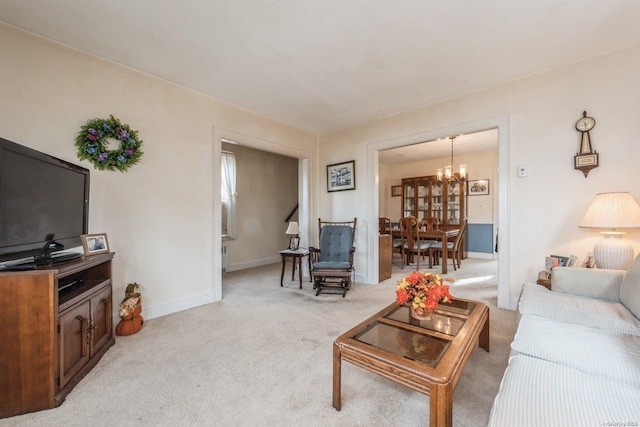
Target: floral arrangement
(92, 143)
(424, 291)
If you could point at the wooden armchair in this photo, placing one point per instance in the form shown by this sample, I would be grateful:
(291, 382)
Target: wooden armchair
(331, 264)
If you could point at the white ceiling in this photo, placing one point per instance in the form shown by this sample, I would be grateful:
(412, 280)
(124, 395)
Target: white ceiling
(326, 65)
(441, 148)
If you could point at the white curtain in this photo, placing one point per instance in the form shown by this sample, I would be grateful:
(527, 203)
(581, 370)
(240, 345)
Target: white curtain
(229, 193)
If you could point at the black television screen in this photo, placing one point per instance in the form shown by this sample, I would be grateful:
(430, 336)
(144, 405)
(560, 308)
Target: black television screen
(40, 196)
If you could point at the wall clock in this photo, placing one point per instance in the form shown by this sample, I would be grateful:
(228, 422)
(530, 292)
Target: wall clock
(587, 158)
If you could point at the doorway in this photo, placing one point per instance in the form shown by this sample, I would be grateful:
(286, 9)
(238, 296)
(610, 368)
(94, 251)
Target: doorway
(502, 220)
(304, 162)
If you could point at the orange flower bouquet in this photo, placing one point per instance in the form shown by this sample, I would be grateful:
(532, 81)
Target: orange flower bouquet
(423, 291)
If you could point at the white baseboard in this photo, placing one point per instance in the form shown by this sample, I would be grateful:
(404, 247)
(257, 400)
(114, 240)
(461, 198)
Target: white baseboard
(254, 263)
(170, 307)
(482, 255)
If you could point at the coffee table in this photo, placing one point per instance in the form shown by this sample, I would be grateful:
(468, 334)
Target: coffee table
(425, 355)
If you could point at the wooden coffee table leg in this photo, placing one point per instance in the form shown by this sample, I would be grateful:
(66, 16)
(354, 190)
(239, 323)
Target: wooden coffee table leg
(300, 270)
(484, 334)
(337, 361)
(441, 406)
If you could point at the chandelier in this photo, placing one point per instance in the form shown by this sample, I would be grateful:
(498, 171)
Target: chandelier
(447, 173)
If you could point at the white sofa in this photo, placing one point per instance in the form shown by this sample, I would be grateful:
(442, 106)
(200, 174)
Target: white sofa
(575, 358)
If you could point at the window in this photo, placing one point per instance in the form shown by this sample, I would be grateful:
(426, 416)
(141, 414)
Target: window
(228, 195)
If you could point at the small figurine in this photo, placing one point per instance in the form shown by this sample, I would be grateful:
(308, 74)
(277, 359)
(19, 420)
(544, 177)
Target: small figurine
(129, 311)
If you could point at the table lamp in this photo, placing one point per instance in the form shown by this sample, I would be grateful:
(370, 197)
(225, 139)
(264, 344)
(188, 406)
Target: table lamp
(612, 211)
(293, 229)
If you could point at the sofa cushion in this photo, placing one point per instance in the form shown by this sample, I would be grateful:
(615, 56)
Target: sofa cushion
(588, 282)
(630, 288)
(589, 350)
(537, 392)
(595, 313)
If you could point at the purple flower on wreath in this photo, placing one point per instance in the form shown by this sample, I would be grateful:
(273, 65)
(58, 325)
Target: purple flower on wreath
(129, 152)
(122, 159)
(106, 127)
(91, 137)
(122, 134)
(102, 157)
(93, 132)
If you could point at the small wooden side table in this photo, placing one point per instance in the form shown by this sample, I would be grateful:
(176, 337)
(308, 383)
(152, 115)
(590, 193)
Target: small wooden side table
(297, 255)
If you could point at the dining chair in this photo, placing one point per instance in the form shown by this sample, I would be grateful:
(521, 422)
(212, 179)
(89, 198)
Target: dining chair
(429, 223)
(384, 225)
(411, 242)
(454, 248)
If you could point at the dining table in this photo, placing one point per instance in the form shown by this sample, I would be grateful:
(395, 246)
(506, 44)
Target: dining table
(440, 235)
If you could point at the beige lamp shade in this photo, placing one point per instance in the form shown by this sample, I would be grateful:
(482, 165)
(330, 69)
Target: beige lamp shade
(293, 228)
(612, 211)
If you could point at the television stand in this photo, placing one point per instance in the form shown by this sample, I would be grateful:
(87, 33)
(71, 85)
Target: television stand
(57, 324)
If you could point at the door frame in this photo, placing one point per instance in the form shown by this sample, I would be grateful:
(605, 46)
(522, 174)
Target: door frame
(501, 123)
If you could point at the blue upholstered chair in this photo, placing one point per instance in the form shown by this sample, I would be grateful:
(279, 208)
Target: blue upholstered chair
(332, 263)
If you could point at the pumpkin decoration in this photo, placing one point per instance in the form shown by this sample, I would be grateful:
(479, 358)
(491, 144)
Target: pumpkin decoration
(129, 311)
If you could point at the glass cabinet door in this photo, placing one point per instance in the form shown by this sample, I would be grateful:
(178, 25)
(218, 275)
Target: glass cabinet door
(437, 200)
(408, 202)
(423, 200)
(453, 202)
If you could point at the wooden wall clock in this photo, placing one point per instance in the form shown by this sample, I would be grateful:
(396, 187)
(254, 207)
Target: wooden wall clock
(587, 158)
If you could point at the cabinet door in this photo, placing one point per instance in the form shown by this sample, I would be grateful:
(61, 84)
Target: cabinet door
(408, 199)
(437, 199)
(454, 195)
(422, 200)
(73, 342)
(101, 321)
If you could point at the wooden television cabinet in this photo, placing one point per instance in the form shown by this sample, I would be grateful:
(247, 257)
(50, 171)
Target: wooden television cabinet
(51, 339)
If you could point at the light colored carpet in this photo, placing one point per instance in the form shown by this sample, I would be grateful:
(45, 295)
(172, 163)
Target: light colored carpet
(263, 357)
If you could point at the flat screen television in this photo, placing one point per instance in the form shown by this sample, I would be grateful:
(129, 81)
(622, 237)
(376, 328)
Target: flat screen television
(44, 206)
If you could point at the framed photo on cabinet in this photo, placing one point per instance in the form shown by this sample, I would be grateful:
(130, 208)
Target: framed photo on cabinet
(95, 243)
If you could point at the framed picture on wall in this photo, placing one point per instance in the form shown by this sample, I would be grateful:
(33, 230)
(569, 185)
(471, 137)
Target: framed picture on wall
(479, 187)
(341, 176)
(396, 190)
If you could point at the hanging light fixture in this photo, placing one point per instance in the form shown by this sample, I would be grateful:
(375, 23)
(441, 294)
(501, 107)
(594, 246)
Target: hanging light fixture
(447, 173)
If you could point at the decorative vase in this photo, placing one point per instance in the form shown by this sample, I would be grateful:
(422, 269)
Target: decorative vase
(425, 316)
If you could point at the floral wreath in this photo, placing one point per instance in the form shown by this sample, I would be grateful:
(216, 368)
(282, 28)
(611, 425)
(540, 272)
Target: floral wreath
(92, 143)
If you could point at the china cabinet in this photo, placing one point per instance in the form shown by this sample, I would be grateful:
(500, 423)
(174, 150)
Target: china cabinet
(427, 196)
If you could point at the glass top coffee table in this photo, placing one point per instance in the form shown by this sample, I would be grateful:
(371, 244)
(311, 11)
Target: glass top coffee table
(425, 355)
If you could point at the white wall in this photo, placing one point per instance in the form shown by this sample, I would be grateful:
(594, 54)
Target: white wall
(546, 207)
(160, 216)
